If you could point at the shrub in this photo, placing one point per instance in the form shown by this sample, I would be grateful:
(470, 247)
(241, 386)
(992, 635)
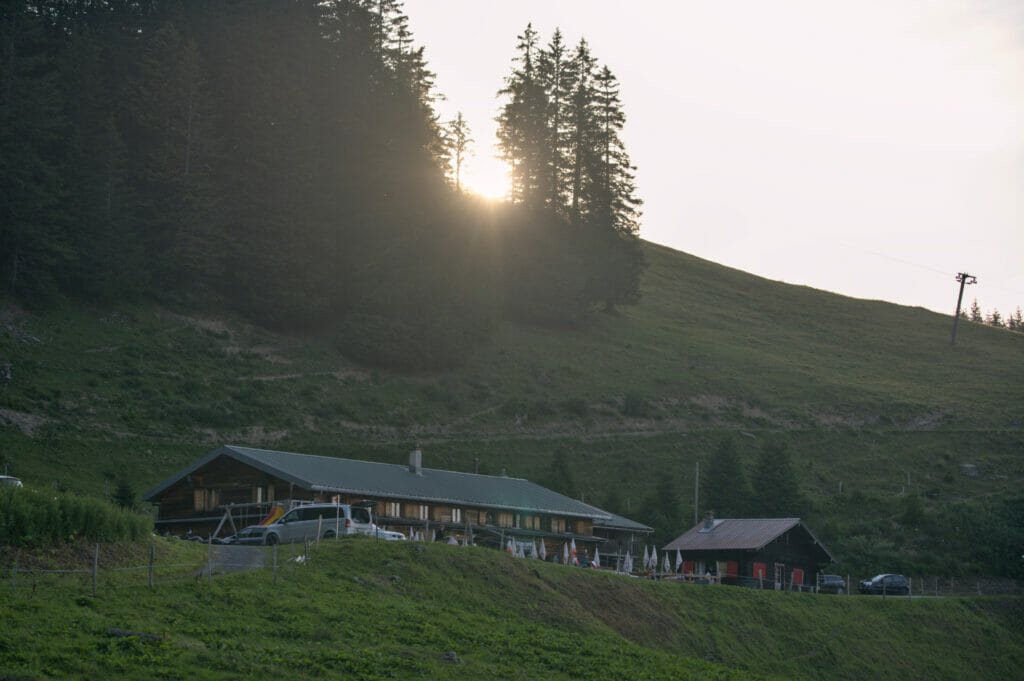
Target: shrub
(31, 518)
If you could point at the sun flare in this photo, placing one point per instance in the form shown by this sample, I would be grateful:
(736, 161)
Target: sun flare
(487, 178)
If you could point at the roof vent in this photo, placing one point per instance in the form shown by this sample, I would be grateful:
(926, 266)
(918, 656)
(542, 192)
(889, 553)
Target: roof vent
(416, 461)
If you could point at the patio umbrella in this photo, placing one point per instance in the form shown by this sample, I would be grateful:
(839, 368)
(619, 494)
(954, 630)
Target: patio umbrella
(565, 554)
(628, 564)
(572, 553)
(597, 559)
(647, 558)
(665, 565)
(543, 551)
(510, 548)
(679, 559)
(533, 549)
(654, 558)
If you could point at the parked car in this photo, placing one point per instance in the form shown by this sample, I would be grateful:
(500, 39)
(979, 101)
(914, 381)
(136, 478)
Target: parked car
(302, 523)
(249, 536)
(387, 535)
(832, 584)
(9, 481)
(886, 584)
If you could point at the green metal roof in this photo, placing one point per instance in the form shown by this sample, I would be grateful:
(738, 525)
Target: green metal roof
(396, 481)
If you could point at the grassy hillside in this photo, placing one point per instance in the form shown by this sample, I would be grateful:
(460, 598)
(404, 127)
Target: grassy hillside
(921, 438)
(365, 610)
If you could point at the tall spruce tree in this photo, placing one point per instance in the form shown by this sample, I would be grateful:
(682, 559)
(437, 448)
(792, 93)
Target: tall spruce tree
(775, 488)
(556, 77)
(614, 209)
(457, 148)
(522, 123)
(726, 491)
(33, 246)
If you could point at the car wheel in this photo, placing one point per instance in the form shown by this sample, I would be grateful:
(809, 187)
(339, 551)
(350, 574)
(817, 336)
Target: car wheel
(840, 590)
(271, 539)
(329, 534)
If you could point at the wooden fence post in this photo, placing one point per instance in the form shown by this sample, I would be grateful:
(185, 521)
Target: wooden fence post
(14, 573)
(95, 568)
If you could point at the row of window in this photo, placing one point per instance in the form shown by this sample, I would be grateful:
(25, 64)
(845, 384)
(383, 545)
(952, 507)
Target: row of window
(206, 499)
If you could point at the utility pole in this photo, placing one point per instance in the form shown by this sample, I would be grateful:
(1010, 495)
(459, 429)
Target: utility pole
(964, 279)
(696, 493)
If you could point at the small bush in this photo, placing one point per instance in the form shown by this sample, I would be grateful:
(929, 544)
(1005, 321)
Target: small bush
(30, 518)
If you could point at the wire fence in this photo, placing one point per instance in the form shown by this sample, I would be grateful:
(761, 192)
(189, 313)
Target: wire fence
(226, 559)
(96, 579)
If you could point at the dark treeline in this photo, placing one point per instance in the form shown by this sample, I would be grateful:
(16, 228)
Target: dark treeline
(281, 160)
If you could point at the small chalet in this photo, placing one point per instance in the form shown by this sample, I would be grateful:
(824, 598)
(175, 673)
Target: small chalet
(775, 553)
(232, 487)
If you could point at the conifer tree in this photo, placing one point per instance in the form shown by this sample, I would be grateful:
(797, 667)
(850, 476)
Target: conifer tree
(726, 491)
(581, 139)
(556, 76)
(615, 206)
(775, 489)
(33, 246)
(975, 315)
(522, 123)
(457, 141)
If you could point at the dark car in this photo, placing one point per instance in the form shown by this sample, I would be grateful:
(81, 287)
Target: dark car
(885, 584)
(250, 536)
(832, 584)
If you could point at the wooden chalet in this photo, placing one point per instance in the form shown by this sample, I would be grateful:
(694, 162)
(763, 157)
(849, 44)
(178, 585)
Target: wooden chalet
(773, 553)
(233, 487)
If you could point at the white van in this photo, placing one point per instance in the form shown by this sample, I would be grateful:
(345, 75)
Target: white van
(9, 481)
(331, 520)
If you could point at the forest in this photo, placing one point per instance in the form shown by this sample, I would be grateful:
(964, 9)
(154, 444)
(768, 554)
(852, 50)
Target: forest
(283, 161)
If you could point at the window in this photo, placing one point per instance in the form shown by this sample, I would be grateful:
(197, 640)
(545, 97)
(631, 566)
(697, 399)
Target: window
(205, 499)
(456, 515)
(420, 511)
(393, 509)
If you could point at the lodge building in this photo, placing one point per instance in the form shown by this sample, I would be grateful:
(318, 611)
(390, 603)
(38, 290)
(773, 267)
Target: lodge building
(233, 486)
(771, 553)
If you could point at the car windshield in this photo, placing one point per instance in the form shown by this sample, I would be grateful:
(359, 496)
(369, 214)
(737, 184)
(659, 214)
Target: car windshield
(360, 515)
(878, 577)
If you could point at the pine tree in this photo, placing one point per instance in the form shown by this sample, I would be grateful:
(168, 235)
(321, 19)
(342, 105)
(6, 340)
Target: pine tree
(582, 126)
(33, 246)
(994, 318)
(556, 77)
(775, 489)
(976, 312)
(615, 206)
(726, 490)
(522, 124)
(457, 141)
(1016, 321)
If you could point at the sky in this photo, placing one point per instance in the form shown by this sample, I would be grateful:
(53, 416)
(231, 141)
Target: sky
(869, 148)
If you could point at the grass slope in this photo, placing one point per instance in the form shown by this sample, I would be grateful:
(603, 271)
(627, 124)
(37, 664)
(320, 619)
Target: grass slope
(366, 610)
(869, 395)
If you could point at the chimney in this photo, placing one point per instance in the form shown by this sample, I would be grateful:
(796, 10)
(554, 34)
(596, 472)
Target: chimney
(416, 461)
(709, 520)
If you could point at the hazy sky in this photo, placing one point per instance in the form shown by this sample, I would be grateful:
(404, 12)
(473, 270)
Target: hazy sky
(874, 149)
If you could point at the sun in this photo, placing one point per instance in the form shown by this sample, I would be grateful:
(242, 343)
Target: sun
(487, 178)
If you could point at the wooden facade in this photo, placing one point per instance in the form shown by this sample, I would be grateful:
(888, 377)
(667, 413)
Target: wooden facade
(772, 553)
(198, 500)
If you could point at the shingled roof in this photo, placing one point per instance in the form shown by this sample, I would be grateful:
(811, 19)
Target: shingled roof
(738, 534)
(397, 481)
